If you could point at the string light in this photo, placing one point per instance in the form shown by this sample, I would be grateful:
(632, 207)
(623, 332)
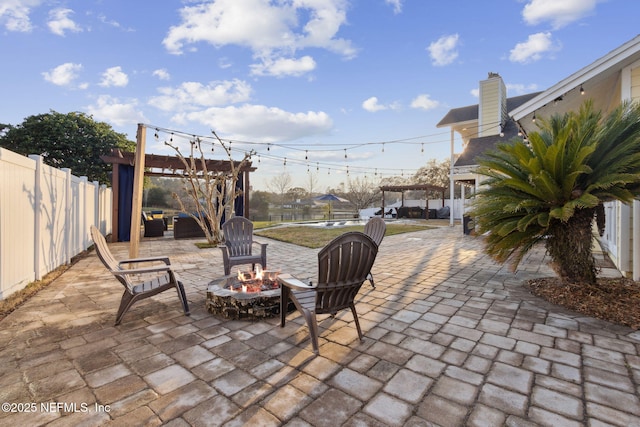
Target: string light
(581, 89)
(533, 119)
(323, 148)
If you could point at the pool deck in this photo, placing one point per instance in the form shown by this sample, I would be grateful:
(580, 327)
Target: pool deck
(451, 339)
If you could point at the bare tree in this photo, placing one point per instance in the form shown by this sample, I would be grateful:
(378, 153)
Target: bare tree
(209, 192)
(280, 184)
(362, 192)
(312, 182)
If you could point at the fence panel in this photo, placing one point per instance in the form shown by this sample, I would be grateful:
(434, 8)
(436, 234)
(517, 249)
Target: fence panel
(51, 199)
(17, 241)
(45, 214)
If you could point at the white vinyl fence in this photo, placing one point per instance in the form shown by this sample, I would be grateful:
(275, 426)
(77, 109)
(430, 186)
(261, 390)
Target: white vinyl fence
(45, 215)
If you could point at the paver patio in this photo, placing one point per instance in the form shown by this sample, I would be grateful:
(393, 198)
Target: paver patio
(451, 339)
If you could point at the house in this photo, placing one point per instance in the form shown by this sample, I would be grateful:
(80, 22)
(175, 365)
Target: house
(608, 81)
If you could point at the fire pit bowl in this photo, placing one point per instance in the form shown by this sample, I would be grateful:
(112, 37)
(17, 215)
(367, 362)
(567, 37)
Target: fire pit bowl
(245, 295)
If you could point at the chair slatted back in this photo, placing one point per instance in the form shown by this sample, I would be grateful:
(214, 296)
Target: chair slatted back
(105, 255)
(375, 228)
(103, 250)
(238, 236)
(343, 265)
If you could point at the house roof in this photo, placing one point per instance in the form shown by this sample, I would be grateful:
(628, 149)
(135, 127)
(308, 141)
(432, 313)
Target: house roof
(470, 112)
(600, 81)
(477, 146)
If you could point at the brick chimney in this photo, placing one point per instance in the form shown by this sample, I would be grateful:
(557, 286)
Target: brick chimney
(492, 111)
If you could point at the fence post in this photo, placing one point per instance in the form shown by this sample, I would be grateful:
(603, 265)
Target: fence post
(96, 205)
(37, 209)
(68, 198)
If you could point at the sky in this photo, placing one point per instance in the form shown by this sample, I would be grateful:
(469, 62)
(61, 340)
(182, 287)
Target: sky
(333, 89)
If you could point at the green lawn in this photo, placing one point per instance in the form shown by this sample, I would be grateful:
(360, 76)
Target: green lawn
(317, 237)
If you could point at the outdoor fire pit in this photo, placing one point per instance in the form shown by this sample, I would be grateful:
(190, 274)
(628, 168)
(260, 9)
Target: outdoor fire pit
(246, 295)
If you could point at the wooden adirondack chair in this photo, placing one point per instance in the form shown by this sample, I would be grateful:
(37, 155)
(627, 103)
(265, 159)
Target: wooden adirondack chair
(162, 276)
(375, 228)
(238, 245)
(343, 266)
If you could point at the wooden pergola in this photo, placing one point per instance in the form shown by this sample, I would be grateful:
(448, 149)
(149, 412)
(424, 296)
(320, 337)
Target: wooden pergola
(413, 187)
(157, 165)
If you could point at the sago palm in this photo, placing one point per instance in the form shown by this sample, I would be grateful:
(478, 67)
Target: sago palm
(550, 189)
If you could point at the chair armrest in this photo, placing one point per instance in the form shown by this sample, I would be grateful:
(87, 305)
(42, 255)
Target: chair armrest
(293, 283)
(148, 259)
(141, 270)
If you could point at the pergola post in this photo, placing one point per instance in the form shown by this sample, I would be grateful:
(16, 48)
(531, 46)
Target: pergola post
(138, 182)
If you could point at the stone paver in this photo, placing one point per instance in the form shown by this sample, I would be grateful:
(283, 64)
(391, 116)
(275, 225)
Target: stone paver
(451, 339)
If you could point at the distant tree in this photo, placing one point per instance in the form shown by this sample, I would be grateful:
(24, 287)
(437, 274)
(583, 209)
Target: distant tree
(72, 140)
(434, 173)
(280, 184)
(260, 204)
(296, 193)
(158, 196)
(362, 193)
(312, 183)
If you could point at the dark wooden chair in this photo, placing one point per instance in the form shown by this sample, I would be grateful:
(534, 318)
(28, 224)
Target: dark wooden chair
(375, 228)
(238, 245)
(343, 266)
(153, 227)
(160, 276)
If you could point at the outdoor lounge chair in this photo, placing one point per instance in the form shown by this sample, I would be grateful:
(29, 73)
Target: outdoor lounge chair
(375, 228)
(238, 245)
(153, 227)
(343, 266)
(161, 277)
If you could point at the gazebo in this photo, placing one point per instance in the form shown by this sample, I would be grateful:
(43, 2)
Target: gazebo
(413, 187)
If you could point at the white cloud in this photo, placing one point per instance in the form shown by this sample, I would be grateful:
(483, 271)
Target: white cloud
(224, 63)
(558, 13)
(63, 75)
(397, 5)
(114, 76)
(444, 50)
(14, 14)
(162, 74)
(190, 96)
(424, 102)
(102, 18)
(284, 67)
(259, 123)
(533, 49)
(111, 110)
(59, 22)
(270, 29)
(372, 105)
(475, 92)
